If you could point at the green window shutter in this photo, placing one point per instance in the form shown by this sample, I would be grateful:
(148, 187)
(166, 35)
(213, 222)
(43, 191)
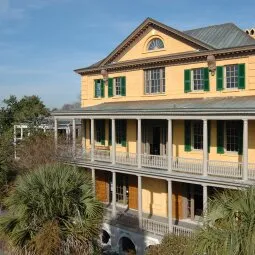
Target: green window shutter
(187, 135)
(241, 76)
(187, 81)
(209, 135)
(102, 126)
(124, 133)
(110, 133)
(123, 86)
(95, 89)
(110, 87)
(240, 138)
(102, 88)
(219, 74)
(206, 79)
(220, 137)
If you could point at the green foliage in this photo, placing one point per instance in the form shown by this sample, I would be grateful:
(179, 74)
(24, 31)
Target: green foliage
(229, 226)
(170, 245)
(29, 109)
(52, 211)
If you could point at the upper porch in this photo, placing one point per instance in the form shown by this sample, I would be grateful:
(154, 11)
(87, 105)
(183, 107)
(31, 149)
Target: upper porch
(206, 139)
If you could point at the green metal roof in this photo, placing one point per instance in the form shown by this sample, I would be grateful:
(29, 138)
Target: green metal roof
(222, 36)
(219, 104)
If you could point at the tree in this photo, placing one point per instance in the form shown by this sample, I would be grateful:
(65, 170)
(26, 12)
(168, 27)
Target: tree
(229, 226)
(170, 245)
(28, 109)
(52, 211)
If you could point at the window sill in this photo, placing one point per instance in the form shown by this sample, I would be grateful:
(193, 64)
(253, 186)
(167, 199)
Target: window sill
(98, 98)
(117, 97)
(152, 51)
(193, 151)
(230, 90)
(231, 153)
(154, 95)
(198, 92)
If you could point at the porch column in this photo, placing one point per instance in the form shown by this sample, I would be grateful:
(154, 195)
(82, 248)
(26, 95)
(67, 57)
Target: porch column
(205, 148)
(113, 142)
(93, 172)
(92, 138)
(245, 149)
(140, 204)
(21, 132)
(113, 194)
(83, 134)
(74, 137)
(139, 142)
(170, 206)
(169, 145)
(56, 134)
(205, 199)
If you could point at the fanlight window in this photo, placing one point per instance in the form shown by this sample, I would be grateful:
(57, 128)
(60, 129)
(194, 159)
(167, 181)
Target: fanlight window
(155, 44)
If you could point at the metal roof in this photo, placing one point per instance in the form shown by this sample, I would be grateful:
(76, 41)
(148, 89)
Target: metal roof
(222, 36)
(220, 104)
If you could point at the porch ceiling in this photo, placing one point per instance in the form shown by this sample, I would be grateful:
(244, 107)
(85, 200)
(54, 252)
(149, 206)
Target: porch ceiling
(196, 106)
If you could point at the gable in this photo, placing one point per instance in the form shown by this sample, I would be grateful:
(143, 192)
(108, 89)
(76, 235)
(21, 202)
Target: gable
(138, 49)
(142, 29)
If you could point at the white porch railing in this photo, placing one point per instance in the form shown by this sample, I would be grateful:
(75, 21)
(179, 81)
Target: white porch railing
(102, 155)
(251, 171)
(188, 165)
(126, 158)
(161, 228)
(155, 227)
(225, 168)
(154, 161)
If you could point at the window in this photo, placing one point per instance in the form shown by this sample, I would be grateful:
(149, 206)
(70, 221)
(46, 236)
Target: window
(121, 127)
(155, 44)
(231, 136)
(99, 88)
(197, 129)
(117, 86)
(231, 76)
(155, 81)
(121, 189)
(198, 79)
(100, 131)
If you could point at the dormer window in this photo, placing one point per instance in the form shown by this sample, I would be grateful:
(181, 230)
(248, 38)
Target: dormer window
(155, 44)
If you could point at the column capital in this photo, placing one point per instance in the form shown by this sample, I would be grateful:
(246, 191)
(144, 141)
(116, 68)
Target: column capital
(204, 120)
(245, 119)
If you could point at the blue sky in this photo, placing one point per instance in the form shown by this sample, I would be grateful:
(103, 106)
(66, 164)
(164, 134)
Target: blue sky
(43, 41)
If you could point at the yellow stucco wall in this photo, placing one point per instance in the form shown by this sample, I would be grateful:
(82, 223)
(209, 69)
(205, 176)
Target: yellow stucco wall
(174, 80)
(154, 196)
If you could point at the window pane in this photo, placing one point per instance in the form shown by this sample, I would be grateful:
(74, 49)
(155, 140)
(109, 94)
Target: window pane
(155, 80)
(198, 79)
(231, 76)
(198, 135)
(117, 82)
(232, 136)
(98, 88)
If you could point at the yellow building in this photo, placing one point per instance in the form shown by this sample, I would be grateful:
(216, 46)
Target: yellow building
(168, 118)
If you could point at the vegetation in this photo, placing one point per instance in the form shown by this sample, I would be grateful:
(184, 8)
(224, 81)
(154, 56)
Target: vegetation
(229, 226)
(170, 245)
(52, 211)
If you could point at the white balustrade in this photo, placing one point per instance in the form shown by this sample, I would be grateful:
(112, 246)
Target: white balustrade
(126, 158)
(179, 230)
(154, 161)
(188, 165)
(102, 155)
(251, 171)
(225, 169)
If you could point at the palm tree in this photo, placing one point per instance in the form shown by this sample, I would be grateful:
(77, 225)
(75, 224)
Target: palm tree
(229, 226)
(52, 211)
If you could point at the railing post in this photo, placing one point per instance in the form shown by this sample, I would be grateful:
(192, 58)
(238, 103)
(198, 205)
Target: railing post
(205, 148)
(74, 138)
(245, 149)
(170, 214)
(139, 145)
(92, 138)
(205, 199)
(93, 172)
(113, 142)
(56, 134)
(113, 194)
(140, 205)
(169, 145)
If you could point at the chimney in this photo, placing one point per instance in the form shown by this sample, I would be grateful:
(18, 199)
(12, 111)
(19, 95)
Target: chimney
(250, 32)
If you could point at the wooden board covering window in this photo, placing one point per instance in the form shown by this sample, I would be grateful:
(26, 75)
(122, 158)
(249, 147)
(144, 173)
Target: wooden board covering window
(177, 201)
(133, 192)
(102, 186)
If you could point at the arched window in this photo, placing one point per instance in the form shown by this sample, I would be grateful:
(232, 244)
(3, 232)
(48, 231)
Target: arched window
(155, 44)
